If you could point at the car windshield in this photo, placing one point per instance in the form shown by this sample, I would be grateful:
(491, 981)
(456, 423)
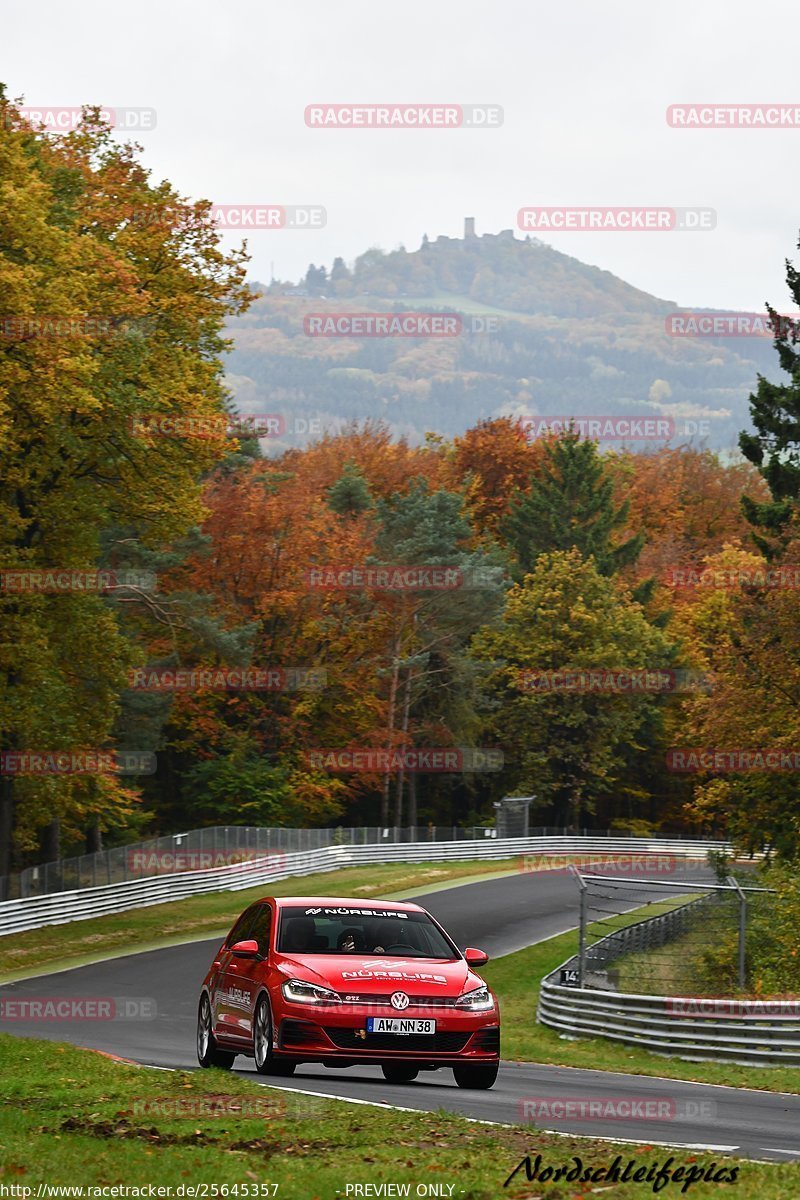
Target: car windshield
(346, 930)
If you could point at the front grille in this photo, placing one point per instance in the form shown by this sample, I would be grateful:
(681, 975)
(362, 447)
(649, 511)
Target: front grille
(443, 1042)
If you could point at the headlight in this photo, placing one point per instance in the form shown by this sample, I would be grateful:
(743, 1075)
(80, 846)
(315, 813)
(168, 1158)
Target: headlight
(309, 993)
(477, 1000)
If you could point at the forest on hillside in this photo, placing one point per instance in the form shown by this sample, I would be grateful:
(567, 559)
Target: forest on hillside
(540, 333)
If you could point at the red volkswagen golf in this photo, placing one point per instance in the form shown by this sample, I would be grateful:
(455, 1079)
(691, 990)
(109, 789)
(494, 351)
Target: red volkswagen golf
(342, 982)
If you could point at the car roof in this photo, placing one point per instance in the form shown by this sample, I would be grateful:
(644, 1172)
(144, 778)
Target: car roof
(344, 902)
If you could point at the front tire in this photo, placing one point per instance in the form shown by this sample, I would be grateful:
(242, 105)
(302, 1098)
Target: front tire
(264, 1043)
(262, 1036)
(480, 1078)
(208, 1053)
(282, 1066)
(399, 1072)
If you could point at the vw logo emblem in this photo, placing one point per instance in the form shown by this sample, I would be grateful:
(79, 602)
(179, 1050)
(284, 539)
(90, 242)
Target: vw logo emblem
(399, 1000)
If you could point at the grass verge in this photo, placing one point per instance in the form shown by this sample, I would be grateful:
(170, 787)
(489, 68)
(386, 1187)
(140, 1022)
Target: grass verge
(59, 946)
(71, 1117)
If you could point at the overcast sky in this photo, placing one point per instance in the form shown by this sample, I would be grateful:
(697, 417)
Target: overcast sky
(584, 87)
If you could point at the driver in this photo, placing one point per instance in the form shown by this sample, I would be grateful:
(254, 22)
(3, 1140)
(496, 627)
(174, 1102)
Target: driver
(374, 938)
(353, 941)
(356, 941)
(388, 933)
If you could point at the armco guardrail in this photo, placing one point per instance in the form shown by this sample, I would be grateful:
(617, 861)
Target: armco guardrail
(751, 1032)
(218, 846)
(221, 845)
(59, 908)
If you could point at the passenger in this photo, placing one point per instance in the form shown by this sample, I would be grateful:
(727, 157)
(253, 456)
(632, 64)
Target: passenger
(351, 941)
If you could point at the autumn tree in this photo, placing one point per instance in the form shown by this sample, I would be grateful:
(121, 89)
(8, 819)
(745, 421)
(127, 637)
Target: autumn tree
(741, 630)
(140, 290)
(427, 662)
(494, 460)
(685, 500)
(568, 748)
(273, 528)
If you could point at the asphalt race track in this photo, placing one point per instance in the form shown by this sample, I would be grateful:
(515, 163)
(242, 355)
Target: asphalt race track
(500, 916)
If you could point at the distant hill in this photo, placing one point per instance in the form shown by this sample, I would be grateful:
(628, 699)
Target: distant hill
(542, 333)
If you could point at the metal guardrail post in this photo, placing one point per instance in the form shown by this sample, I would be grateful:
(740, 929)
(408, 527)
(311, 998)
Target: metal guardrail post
(742, 932)
(582, 928)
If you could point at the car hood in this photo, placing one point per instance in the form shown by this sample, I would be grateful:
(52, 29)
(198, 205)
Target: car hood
(376, 976)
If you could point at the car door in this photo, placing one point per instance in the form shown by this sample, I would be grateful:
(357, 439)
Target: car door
(243, 976)
(223, 1001)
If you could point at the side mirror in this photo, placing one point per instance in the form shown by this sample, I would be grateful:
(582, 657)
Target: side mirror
(475, 958)
(246, 949)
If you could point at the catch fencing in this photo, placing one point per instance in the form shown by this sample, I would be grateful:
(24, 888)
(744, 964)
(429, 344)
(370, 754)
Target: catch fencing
(649, 934)
(139, 860)
(58, 908)
(723, 1029)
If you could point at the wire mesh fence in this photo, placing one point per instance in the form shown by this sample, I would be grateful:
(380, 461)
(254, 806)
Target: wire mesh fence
(216, 846)
(663, 937)
(223, 845)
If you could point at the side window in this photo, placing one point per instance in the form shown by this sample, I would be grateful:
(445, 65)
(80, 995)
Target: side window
(261, 928)
(242, 928)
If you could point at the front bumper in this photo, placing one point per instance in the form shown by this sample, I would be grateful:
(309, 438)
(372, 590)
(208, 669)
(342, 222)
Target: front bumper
(335, 1037)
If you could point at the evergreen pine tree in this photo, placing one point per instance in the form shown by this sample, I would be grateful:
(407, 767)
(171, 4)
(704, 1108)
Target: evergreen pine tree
(775, 447)
(570, 503)
(350, 495)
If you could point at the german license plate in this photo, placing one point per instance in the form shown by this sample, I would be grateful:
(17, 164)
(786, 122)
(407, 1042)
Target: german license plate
(401, 1025)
